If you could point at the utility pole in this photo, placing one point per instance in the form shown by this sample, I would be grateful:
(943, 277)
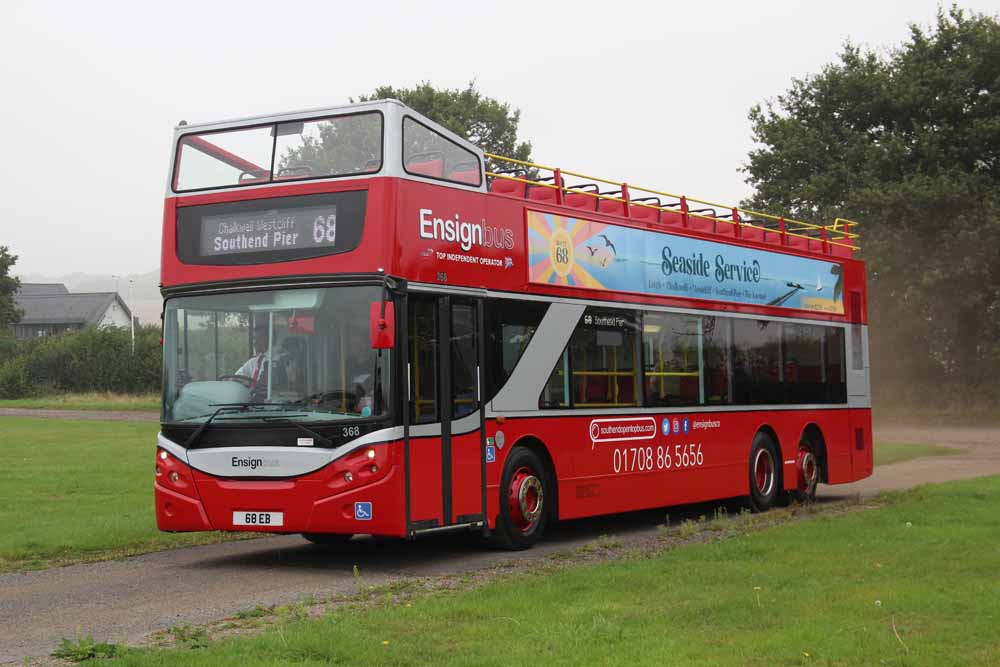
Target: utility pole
(131, 315)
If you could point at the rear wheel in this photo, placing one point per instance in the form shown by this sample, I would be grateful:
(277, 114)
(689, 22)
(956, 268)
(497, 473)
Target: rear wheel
(763, 473)
(523, 503)
(806, 471)
(328, 539)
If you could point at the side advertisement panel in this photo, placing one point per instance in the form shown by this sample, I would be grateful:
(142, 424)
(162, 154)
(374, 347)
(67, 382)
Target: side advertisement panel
(594, 255)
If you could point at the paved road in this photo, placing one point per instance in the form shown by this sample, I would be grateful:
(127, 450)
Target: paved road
(124, 601)
(97, 415)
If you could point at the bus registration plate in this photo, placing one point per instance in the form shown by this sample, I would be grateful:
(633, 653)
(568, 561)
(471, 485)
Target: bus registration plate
(258, 518)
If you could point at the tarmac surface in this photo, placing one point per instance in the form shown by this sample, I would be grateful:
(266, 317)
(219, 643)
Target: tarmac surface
(95, 415)
(127, 600)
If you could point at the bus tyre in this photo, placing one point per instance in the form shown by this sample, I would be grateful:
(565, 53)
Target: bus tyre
(806, 471)
(763, 473)
(328, 539)
(523, 501)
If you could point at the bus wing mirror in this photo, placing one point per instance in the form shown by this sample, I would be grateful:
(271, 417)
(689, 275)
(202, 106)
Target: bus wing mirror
(382, 323)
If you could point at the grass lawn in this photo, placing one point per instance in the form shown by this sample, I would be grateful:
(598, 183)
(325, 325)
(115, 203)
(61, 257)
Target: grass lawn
(906, 584)
(895, 452)
(78, 490)
(88, 401)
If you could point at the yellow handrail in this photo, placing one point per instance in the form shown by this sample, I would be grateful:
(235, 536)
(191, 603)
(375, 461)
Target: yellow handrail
(840, 233)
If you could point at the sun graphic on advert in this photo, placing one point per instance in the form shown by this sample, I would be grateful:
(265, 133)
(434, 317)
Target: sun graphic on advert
(555, 245)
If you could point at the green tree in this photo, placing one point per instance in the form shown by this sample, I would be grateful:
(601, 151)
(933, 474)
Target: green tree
(10, 314)
(908, 142)
(486, 122)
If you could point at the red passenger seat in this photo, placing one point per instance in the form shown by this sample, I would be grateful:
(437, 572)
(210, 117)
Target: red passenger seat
(596, 390)
(465, 172)
(644, 209)
(432, 168)
(579, 200)
(610, 205)
(725, 227)
(701, 220)
(502, 186)
(671, 218)
(543, 193)
(626, 390)
(840, 250)
(701, 224)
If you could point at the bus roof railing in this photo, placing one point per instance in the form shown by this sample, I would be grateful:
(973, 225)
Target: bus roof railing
(841, 233)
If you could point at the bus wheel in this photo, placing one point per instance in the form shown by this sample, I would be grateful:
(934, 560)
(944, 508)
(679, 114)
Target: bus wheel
(763, 473)
(328, 539)
(523, 511)
(806, 472)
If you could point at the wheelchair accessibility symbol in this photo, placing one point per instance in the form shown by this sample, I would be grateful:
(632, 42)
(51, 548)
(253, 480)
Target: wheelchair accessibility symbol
(491, 454)
(363, 511)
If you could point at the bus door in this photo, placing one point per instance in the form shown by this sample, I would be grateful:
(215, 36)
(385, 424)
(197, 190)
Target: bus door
(446, 451)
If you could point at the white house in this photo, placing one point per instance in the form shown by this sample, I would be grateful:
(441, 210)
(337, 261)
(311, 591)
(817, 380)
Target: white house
(49, 308)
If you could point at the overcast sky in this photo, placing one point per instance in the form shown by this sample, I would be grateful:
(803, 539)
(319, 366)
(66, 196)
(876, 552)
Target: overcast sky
(652, 93)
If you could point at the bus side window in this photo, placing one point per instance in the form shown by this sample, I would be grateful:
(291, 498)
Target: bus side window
(464, 360)
(716, 344)
(603, 357)
(423, 343)
(757, 362)
(510, 325)
(556, 391)
(672, 366)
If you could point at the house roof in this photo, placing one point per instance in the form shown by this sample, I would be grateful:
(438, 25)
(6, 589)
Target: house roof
(41, 289)
(85, 308)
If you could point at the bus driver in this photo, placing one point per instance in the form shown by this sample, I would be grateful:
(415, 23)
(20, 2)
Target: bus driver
(255, 369)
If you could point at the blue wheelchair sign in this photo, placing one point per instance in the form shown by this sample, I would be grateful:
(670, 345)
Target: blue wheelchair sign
(363, 511)
(491, 454)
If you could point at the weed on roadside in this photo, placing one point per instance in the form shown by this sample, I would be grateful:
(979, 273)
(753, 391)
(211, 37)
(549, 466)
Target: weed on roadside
(85, 648)
(688, 529)
(189, 635)
(256, 612)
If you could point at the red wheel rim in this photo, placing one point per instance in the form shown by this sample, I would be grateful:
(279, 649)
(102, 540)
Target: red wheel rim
(763, 472)
(808, 469)
(525, 499)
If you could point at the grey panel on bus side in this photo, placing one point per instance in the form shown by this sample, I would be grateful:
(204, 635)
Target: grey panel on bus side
(858, 380)
(522, 389)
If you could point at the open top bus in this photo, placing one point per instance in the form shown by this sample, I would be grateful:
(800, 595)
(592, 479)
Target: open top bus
(372, 327)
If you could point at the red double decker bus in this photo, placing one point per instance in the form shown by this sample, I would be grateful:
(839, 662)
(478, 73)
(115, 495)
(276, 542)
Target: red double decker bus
(372, 327)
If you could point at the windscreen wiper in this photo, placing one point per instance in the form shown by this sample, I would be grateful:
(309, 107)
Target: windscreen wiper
(222, 407)
(315, 435)
(193, 438)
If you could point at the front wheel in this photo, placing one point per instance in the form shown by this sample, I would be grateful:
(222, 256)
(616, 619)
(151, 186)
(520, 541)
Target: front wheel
(763, 473)
(523, 509)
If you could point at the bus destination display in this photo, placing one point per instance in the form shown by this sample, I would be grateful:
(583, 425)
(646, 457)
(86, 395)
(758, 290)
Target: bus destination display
(298, 228)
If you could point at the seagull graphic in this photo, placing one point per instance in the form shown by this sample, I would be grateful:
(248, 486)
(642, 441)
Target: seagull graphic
(593, 251)
(609, 244)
